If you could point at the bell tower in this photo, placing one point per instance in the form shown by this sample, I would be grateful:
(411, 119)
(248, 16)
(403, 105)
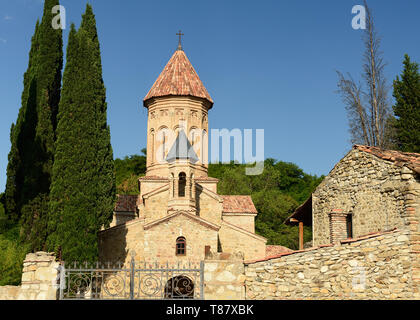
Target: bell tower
(178, 105)
(177, 130)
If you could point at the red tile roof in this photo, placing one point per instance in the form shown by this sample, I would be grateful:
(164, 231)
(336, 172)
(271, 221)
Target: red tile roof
(343, 242)
(273, 250)
(410, 160)
(126, 203)
(238, 204)
(178, 78)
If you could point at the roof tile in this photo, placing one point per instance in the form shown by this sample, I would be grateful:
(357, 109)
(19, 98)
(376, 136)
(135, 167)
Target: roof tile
(178, 78)
(126, 203)
(410, 160)
(238, 204)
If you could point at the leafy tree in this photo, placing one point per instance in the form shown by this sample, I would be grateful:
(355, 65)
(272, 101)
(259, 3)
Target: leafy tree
(407, 107)
(83, 187)
(12, 253)
(127, 170)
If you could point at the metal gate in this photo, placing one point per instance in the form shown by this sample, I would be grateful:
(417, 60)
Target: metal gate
(133, 281)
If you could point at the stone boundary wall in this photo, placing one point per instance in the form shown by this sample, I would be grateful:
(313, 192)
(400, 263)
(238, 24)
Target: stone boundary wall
(39, 279)
(224, 277)
(9, 292)
(379, 267)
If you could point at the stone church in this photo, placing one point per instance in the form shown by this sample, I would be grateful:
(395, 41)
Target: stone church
(178, 214)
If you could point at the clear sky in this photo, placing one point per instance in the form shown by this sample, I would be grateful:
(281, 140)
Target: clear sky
(267, 65)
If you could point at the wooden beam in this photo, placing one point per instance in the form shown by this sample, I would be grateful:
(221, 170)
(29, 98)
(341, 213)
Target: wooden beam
(300, 235)
(293, 220)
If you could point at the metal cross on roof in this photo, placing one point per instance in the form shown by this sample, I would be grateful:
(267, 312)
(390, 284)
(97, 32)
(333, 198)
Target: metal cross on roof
(180, 34)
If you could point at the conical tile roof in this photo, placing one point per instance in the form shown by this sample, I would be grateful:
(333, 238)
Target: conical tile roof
(178, 78)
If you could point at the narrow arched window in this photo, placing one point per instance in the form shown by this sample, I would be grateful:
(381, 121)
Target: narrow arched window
(152, 146)
(182, 184)
(181, 246)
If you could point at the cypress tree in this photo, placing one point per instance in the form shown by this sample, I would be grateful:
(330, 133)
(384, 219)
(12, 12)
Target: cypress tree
(14, 180)
(105, 170)
(407, 107)
(36, 145)
(83, 186)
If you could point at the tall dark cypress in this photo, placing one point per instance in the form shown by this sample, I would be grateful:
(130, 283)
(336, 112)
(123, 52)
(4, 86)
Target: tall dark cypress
(36, 145)
(407, 107)
(14, 180)
(105, 176)
(83, 186)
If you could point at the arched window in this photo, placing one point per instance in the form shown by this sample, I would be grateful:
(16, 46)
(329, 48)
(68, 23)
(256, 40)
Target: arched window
(181, 246)
(182, 184)
(152, 145)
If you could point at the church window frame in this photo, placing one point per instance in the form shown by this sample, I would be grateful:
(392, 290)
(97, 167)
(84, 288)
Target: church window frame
(181, 246)
(182, 184)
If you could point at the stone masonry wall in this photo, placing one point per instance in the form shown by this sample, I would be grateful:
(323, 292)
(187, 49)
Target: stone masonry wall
(224, 277)
(39, 279)
(379, 267)
(372, 190)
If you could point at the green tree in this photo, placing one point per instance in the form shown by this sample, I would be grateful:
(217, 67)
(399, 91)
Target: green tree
(127, 172)
(36, 145)
(407, 107)
(105, 169)
(83, 186)
(14, 180)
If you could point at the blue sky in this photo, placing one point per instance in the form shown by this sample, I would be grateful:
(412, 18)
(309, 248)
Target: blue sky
(267, 65)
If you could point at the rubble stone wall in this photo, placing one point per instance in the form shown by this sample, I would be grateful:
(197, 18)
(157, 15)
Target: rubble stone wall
(379, 267)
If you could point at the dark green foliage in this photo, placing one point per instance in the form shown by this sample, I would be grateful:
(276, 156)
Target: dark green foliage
(3, 217)
(15, 167)
(37, 144)
(83, 187)
(127, 172)
(32, 138)
(407, 107)
(12, 253)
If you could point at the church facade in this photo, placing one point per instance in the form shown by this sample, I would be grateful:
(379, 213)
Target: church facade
(178, 214)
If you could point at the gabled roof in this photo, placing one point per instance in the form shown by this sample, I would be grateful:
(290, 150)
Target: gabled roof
(410, 160)
(178, 78)
(238, 204)
(195, 218)
(272, 250)
(182, 149)
(126, 203)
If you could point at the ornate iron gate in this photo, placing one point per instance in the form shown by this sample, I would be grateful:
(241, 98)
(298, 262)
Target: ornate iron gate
(135, 281)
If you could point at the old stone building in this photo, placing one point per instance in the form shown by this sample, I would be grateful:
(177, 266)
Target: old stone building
(366, 235)
(370, 190)
(178, 212)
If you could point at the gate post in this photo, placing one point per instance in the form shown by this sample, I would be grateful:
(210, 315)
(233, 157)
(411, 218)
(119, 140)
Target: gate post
(132, 272)
(202, 279)
(62, 284)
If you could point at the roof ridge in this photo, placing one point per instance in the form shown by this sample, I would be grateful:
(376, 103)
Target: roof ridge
(178, 78)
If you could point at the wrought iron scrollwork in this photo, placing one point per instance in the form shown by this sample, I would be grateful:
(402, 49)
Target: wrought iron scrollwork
(132, 282)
